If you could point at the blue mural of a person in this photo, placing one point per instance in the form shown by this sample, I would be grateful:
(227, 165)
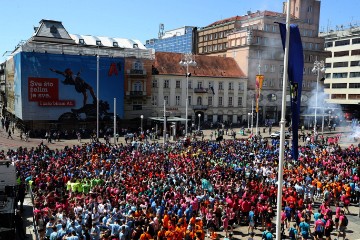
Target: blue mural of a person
(80, 85)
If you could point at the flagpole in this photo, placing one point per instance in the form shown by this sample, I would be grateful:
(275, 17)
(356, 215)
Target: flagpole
(282, 126)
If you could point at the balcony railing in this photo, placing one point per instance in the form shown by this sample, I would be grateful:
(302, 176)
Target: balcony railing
(140, 72)
(136, 94)
(200, 107)
(200, 90)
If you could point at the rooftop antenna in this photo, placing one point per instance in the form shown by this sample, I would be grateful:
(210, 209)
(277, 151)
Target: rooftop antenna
(161, 30)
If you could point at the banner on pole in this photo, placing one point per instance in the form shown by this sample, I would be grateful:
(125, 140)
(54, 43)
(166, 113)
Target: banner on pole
(295, 74)
(259, 83)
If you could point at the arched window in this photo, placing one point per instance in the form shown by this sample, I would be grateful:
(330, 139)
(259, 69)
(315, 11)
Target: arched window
(137, 86)
(199, 101)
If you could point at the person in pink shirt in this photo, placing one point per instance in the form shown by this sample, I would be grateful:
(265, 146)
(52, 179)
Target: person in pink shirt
(319, 228)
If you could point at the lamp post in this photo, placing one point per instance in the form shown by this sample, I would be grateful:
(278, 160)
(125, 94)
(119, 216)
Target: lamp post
(329, 117)
(142, 117)
(186, 62)
(199, 115)
(249, 114)
(97, 96)
(318, 67)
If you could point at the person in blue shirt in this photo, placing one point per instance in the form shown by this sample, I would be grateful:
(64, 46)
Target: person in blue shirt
(61, 232)
(54, 235)
(95, 232)
(115, 228)
(304, 229)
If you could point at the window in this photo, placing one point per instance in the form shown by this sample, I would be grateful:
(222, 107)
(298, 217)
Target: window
(356, 41)
(265, 83)
(340, 75)
(221, 86)
(98, 43)
(327, 75)
(241, 86)
(328, 44)
(355, 63)
(230, 103)
(220, 101)
(274, 29)
(304, 71)
(309, 9)
(355, 52)
(166, 83)
(210, 118)
(281, 69)
(210, 101)
(215, 35)
(272, 69)
(339, 85)
(81, 41)
(210, 36)
(154, 83)
(189, 84)
(215, 47)
(178, 84)
(340, 64)
(53, 29)
(199, 101)
(341, 54)
(240, 101)
(221, 34)
(354, 85)
(271, 82)
(154, 100)
(199, 85)
(342, 42)
(355, 74)
(210, 48)
(189, 100)
(354, 96)
(327, 65)
(137, 105)
(211, 84)
(115, 44)
(166, 98)
(338, 96)
(266, 68)
(220, 46)
(205, 38)
(177, 100)
(137, 86)
(231, 86)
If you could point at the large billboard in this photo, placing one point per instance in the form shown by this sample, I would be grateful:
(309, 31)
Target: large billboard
(64, 87)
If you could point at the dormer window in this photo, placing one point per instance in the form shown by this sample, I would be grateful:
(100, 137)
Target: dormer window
(135, 45)
(115, 44)
(81, 41)
(53, 29)
(98, 43)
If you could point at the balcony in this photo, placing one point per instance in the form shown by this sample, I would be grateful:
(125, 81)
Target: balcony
(200, 107)
(136, 72)
(135, 94)
(200, 90)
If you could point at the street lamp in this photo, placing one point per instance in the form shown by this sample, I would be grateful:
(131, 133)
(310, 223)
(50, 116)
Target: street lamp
(186, 62)
(249, 114)
(329, 117)
(319, 66)
(199, 115)
(142, 117)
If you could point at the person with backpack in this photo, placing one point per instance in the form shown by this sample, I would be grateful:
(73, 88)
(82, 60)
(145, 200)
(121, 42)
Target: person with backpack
(319, 228)
(293, 233)
(329, 227)
(343, 222)
(304, 229)
(267, 235)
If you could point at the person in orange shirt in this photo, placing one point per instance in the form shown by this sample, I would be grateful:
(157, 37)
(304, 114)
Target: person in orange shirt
(145, 235)
(213, 234)
(161, 233)
(179, 232)
(166, 220)
(169, 235)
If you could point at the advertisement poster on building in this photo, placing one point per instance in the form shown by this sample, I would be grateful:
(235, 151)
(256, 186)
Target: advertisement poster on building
(63, 87)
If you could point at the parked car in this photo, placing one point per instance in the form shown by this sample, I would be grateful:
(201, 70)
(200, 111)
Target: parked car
(277, 134)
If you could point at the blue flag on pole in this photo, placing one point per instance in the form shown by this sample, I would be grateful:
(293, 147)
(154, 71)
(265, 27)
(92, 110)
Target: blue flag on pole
(295, 74)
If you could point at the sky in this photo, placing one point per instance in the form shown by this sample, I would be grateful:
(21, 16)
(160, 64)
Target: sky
(140, 19)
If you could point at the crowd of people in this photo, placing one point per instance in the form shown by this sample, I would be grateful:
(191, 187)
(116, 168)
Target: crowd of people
(188, 190)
